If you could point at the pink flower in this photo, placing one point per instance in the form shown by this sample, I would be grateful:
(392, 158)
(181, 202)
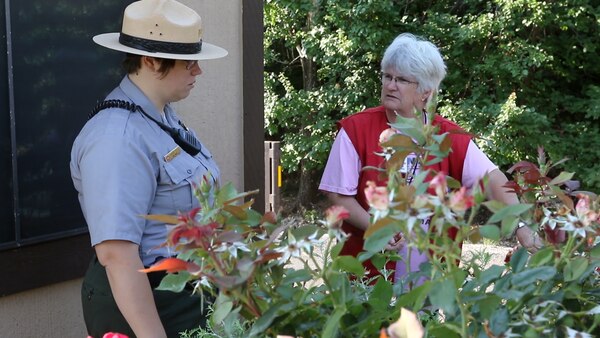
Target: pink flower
(335, 215)
(439, 184)
(377, 197)
(386, 135)
(582, 209)
(114, 335)
(460, 200)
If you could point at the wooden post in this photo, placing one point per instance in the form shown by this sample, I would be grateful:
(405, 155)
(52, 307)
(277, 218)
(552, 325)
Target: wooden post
(272, 176)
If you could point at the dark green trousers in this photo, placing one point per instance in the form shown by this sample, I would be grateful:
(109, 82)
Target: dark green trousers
(178, 311)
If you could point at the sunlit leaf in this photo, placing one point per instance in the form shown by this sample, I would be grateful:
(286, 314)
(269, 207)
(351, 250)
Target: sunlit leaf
(523, 166)
(561, 178)
(236, 211)
(171, 265)
(400, 141)
(490, 231)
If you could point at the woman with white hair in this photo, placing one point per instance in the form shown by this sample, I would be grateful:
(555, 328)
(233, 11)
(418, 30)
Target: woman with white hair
(411, 72)
(135, 157)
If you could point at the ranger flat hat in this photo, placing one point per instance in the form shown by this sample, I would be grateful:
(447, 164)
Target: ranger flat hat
(163, 29)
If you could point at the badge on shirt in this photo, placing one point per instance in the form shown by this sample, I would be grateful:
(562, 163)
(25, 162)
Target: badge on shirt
(172, 154)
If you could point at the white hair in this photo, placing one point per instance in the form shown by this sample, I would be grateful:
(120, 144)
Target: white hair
(416, 57)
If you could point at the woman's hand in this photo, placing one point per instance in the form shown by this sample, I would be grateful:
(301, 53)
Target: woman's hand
(396, 243)
(529, 239)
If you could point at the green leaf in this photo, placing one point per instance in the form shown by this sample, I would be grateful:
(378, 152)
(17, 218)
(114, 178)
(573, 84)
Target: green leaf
(508, 225)
(575, 268)
(335, 251)
(382, 293)
(561, 178)
(509, 210)
(174, 282)
(415, 298)
(296, 276)
(379, 239)
(331, 326)
(490, 231)
(488, 305)
(264, 322)
(499, 321)
(490, 274)
(222, 307)
(304, 231)
(494, 205)
(595, 252)
(442, 331)
(541, 257)
(419, 182)
(529, 276)
(411, 127)
(518, 260)
(443, 294)
(350, 264)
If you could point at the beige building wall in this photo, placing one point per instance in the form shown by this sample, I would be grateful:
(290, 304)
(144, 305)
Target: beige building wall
(214, 110)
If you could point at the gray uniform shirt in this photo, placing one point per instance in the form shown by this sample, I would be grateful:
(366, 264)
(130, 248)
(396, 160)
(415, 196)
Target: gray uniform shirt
(124, 165)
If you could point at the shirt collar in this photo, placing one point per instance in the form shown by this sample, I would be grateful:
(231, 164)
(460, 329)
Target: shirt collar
(134, 93)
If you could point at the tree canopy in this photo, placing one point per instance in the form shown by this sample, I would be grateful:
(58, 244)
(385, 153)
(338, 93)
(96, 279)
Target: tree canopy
(521, 73)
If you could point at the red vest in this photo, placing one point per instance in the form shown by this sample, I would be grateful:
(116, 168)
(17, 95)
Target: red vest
(364, 129)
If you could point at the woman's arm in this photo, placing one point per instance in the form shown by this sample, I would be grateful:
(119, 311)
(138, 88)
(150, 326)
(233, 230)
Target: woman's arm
(497, 191)
(359, 217)
(130, 288)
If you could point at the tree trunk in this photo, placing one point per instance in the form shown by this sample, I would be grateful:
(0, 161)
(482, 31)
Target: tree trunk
(306, 187)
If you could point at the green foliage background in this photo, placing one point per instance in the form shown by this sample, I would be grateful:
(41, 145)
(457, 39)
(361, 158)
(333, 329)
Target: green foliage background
(521, 73)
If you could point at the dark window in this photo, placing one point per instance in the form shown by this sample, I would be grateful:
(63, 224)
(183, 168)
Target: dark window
(52, 76)
(58, 74)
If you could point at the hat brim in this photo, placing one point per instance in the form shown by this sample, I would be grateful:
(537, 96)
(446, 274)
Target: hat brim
(208, 52)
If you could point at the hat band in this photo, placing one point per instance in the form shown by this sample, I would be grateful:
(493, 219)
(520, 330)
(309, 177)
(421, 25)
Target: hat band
(154, 46)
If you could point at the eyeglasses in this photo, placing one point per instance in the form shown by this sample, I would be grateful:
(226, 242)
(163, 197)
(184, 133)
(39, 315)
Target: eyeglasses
(189, 64)
(387, 78)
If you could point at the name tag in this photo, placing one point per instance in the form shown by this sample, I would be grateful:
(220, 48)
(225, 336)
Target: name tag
(172, 154)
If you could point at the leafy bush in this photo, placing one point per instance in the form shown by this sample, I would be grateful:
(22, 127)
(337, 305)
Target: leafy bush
(243, 257)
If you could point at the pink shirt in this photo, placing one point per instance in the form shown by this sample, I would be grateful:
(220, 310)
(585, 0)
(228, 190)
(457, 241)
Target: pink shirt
(343, 167)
